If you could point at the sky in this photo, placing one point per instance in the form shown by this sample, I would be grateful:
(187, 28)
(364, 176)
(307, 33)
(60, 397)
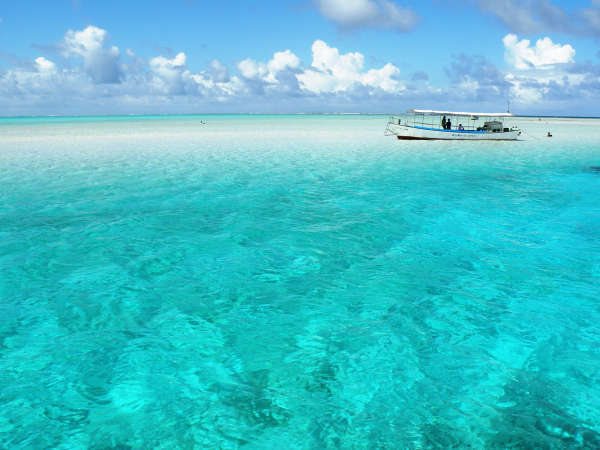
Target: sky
(81, 57)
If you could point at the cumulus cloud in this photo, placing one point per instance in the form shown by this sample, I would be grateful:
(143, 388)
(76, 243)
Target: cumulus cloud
(356, 14)
(331, 81)
(218, 71)
(44, 65)
(332, 72)
(476, 77)
(546, 74)
(101, 63)
(544, 54)
(282, 61)
(550, 87)
(537, 89)
(251, 69)
(170, 76)
(169, 73)
(269, 72)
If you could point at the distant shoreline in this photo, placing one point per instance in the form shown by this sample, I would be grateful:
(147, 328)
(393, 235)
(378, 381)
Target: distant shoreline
(132, 116)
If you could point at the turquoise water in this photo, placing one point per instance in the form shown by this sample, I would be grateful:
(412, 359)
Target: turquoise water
(297, 282)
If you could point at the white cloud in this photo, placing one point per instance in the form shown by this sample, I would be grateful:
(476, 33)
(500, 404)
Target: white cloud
(332, 81)
(335, 72)
(160, 63)
(44, 65)
(99, 62)
(281, 62)
(162, 81)
(252, 69)
(170, 75)
(543, 55)
(347, 12)
(536, 86)
(542, 74)
(524, 92)
(84, 42)
(354, 14)
(218, 71)
(165, 83)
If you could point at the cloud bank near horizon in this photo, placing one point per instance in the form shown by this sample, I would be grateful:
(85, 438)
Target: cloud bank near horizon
(88, 75)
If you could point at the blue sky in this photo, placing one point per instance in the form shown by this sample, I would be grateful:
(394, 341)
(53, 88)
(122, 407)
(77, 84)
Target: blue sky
(112, 57)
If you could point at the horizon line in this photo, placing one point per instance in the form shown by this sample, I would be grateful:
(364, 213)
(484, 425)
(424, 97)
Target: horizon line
(59, 116)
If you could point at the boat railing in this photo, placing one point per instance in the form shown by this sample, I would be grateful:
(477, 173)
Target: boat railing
(393, 120)
(434, 122)
(467, 123)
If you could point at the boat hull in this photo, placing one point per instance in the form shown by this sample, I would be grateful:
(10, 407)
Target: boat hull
(407, 132)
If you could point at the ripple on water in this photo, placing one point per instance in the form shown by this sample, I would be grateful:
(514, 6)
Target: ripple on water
(305, 280)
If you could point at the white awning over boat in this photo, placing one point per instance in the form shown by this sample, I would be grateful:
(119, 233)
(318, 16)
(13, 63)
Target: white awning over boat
(458, 113)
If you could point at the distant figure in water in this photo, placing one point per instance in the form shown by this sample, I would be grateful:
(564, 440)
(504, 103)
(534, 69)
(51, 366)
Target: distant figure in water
(444, 122)
(549, 134)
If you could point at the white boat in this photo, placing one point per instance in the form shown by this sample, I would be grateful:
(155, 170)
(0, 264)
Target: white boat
(425, 124)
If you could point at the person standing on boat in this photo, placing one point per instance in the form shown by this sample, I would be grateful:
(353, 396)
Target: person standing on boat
(444, 123)
(448, 124)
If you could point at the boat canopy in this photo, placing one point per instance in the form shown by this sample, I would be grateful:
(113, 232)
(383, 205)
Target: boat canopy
(460, 113)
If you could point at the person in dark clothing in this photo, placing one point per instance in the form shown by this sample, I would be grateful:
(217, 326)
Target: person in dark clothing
(444, 122)
(448, 125)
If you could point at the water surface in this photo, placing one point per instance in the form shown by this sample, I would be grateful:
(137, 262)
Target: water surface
(299, 282)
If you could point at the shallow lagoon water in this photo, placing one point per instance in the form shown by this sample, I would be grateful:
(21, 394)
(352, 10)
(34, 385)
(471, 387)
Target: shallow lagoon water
(298, 282)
